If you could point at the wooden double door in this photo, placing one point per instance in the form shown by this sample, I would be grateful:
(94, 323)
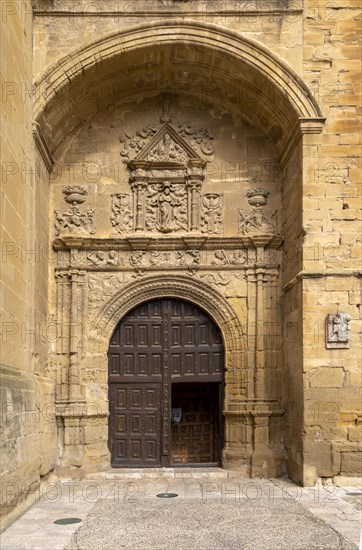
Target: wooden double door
(166, 366)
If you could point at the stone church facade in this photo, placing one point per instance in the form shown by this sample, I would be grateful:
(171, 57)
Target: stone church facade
(181, 246)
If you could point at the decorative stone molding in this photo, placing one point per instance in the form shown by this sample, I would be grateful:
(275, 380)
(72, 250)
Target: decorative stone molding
(177, 286)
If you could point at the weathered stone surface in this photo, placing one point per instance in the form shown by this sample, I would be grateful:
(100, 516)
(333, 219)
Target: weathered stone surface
(242, 204)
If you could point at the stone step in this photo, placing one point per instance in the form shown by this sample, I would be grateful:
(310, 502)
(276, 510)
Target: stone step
(161, 473)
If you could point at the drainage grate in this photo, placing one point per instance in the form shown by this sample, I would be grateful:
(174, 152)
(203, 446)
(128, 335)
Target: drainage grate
(67, 521)
(167, 495)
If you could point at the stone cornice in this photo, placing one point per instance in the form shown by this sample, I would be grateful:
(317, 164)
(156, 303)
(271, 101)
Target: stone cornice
(302, 127)
(302, 275)
(186, 242)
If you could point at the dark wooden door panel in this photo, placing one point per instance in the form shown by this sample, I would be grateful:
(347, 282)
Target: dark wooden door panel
(135, 424)
(197, 437)
(155, 344)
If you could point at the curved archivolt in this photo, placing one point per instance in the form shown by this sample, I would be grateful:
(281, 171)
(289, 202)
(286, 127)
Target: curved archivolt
(187, 57)
(170, 286)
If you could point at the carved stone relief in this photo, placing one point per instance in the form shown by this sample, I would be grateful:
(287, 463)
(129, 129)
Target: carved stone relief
(100, 258)
(141, 260)
(102, 286)
(236, 257)
(211, 214)
(256, 220)
(166, 207)
(338, 330)
(121, 217)
(74, 220)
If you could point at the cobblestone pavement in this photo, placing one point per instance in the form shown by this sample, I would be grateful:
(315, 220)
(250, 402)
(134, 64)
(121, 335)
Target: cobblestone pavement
(214, 510)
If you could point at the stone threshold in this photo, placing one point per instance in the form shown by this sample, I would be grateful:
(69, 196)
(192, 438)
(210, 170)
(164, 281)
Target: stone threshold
(162, 473)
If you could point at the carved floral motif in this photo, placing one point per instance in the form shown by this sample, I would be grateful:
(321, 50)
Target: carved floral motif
(74, 220)
(198, 137)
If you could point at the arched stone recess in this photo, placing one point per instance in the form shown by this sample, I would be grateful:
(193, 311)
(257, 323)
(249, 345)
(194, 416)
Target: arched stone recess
(224, 254)
(245, 74)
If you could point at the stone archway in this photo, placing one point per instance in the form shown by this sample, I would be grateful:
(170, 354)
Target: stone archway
(196, 260)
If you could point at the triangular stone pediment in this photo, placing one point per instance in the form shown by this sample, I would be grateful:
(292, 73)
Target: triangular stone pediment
(169, 148)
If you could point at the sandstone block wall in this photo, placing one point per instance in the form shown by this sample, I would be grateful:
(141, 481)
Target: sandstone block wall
(319, 208)
(28, 435)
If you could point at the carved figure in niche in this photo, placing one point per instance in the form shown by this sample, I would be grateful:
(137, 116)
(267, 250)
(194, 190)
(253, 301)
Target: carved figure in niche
(338, 329)
(121, 217)
(256, 221)
(164, 105)
(166, 209)
(167, 150)
(211, 216)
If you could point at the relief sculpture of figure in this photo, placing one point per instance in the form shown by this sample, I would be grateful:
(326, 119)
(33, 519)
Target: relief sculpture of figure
(166, 205)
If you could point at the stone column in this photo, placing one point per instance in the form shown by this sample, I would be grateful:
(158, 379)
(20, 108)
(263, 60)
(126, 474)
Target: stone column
(194, 188)
(138, 189)
(77, 282)
(259, 327)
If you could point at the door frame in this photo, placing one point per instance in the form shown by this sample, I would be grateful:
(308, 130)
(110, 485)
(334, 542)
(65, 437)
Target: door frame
(166, 382)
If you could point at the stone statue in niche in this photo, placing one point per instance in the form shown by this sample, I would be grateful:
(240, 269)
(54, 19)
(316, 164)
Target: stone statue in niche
(166, 208)
(338, 330)
(211, 215)
(74, 220)
(121, 217)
